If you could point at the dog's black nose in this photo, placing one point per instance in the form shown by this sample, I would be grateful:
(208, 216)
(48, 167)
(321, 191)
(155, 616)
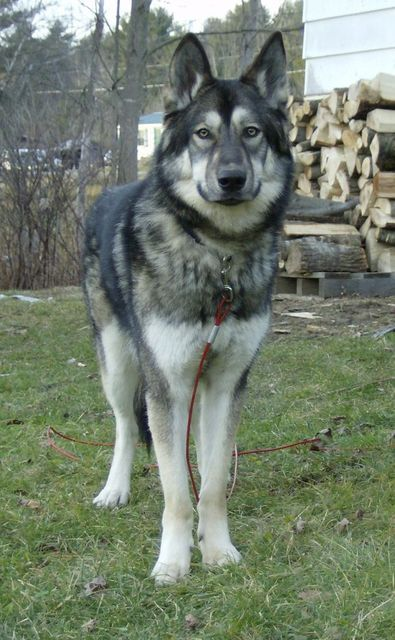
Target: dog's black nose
(231, 180)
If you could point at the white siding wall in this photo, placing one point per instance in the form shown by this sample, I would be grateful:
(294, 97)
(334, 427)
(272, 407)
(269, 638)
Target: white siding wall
(346, 40)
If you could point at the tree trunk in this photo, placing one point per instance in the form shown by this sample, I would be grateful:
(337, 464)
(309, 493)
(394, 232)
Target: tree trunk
(89, 119)
(132, 97)
(250, 11)
(115, 101)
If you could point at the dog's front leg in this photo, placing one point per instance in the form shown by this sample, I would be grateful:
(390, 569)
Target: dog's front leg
(167, 419)
(219, 417)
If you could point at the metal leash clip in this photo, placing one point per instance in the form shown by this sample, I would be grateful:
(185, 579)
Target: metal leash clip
(227, 291)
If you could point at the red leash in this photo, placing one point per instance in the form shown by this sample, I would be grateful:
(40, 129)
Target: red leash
(222, 311)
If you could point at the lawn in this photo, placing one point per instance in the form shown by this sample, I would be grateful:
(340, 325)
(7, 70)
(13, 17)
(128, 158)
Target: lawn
(316, 528)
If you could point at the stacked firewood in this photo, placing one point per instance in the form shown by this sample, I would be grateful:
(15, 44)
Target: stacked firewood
(344, 147)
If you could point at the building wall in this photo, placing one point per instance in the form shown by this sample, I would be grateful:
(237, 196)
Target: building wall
(346, 40)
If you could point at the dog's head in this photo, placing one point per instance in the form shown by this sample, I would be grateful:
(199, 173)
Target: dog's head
(225, 148)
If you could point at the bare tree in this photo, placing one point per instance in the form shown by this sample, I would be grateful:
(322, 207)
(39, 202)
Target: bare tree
(251, 11)
(132, 97)
(88, 119)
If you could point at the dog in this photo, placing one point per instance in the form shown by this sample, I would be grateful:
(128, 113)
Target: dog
(154, 276)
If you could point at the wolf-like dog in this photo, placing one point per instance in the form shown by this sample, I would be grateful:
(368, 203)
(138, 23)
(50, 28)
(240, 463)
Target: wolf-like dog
(155, 249)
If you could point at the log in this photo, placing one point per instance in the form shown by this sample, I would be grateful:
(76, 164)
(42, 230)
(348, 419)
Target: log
(357, 218)
(302, 146)
(367, 136)
(386, 206)
(356, 125)
(332, 159)
(308, 255)
(365, 227)
(324, 117)
(386, 260)
(310, 107)
(367, 196)
(313, 172)
(327, 136)
(297, 134)
(302, 208)
(367, 167)
(328, 191)
(381, 120)
(372, 248)
(380, 90)
(304, 184)
(384, 184)
(350, 109)
(381, 220)
(386, 235)
(382, 149)
(351, 139)
(307, 158)
(350, 156)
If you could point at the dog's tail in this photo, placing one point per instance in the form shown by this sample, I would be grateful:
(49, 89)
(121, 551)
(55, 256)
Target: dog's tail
(140, 411)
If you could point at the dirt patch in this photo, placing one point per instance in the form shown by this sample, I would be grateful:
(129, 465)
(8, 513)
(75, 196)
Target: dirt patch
(353, 316)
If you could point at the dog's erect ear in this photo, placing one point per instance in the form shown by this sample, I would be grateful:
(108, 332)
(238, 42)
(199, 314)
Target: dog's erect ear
(269, 72)
(189, 71)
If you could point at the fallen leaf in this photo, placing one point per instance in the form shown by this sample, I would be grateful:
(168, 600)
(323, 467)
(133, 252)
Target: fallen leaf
(97, 584)
(343, 525)
(89, 626)
(309, 594)
(299, 526)
(315, 328)
(191, 622)
(14, 421)
(359, 514)
(30, 504)
(305, 315)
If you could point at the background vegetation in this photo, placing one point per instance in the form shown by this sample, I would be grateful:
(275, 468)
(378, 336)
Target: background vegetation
(64, 111)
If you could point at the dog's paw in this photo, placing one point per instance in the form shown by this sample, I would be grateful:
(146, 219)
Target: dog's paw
(219, 557)
(167, 574)
(111, 497)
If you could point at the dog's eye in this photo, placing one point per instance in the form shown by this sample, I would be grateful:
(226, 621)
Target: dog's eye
(251, 132)
(203, 133)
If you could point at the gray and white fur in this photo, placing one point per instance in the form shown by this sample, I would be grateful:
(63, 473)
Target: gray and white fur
(218, 187)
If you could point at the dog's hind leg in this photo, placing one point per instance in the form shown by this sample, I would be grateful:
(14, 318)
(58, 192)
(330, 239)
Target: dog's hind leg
(120, 379)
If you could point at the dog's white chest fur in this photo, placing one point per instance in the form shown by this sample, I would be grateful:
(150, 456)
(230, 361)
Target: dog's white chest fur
(177, 349)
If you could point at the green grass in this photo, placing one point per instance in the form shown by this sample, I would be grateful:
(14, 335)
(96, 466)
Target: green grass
(322, 583)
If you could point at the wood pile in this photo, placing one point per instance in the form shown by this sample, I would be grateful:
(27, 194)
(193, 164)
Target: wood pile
(344, 147)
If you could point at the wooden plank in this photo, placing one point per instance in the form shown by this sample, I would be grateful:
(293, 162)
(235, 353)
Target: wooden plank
(333, 285)
(299, 229)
